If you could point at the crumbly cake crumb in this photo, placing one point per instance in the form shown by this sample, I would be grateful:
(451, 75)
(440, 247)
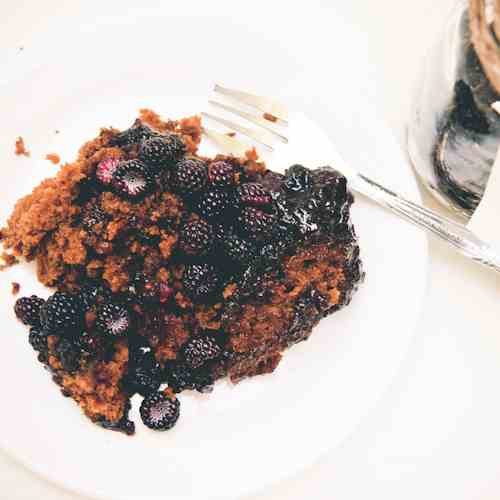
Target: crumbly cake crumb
(21, 147)
(53, 158)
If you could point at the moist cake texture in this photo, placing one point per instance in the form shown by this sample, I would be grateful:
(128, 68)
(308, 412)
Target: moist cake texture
(173, 270)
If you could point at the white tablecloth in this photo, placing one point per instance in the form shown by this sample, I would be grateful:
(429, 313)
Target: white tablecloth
(436, 432)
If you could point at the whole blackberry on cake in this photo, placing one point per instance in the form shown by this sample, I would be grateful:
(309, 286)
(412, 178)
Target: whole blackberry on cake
(189, 176)
(62, 314)
(196, 237)
(113, 319)
(221, 174)
(214, 204)
(132, 180)
(27, 309)
(200, 281)
(161, 151)
(198, 350)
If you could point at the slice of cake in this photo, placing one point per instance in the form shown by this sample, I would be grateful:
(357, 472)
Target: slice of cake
(173, 270)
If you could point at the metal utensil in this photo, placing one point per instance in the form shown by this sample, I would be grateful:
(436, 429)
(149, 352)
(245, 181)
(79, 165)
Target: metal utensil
(272, 119)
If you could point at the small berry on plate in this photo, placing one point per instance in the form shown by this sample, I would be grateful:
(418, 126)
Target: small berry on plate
(132, 180)
(159, 411)
(27, 310)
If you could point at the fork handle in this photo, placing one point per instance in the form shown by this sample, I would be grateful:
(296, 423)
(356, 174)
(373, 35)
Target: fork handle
(464, 240)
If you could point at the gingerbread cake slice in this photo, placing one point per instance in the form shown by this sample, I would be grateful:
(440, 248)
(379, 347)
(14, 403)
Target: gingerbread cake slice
(172, 269)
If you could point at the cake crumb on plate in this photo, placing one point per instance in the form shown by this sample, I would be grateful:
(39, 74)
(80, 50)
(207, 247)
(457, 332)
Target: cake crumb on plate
(15, 288)
(21, 147)
(54, 158)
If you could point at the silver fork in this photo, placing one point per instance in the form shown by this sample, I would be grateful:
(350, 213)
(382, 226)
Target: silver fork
(273, 115)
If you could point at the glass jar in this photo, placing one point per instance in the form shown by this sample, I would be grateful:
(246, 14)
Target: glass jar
(454, 133)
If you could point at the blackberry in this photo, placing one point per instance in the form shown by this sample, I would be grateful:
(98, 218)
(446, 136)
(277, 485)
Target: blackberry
(27, 310)
(132, 180)
(253, 194)
(68, 354)
(196, 237)
(137, 133)
(144, 375)
(159, 412)
(92, 344)
(113, 319)
(105, 170)
(238, 250)
(198, 350)
(200, 280)
(221, 174)
(38, 339)
(180, 378)
(189, 176)
(257, 224)
(92, 216)
(62, 314)
(161, 151)
(214, 204)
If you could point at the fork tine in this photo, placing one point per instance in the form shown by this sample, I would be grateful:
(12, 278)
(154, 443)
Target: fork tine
(261, 103)
(257, 120)
(257, 135)
(227, 143)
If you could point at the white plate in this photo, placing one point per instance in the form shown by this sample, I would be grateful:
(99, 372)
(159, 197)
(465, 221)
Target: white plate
(241, 438)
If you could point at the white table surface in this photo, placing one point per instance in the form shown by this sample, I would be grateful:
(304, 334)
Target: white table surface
(435, 434)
